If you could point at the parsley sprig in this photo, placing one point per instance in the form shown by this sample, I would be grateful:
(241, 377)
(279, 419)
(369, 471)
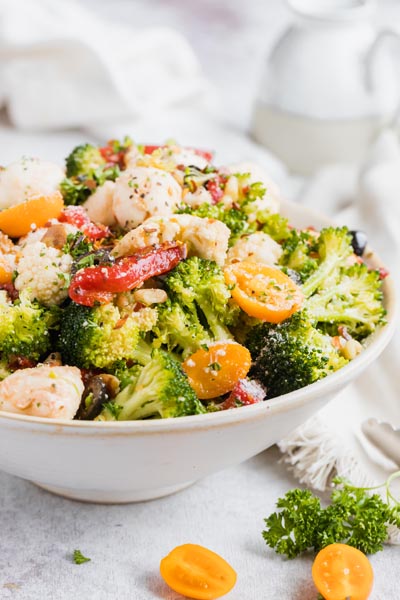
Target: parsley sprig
(78, 557)
(355, 516)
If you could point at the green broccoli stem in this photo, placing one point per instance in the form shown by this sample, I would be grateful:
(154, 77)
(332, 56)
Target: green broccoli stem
(219, 331)
(138, 404)
(315, 280)
(142, 352)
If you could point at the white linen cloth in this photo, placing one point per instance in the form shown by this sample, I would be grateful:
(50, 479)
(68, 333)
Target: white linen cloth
(61, 66)
(332, 442)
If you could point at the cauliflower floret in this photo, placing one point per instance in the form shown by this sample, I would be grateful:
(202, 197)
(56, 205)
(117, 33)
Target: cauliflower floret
(257, 247)
(206, 238)
(26, 178)
(44, 391)
(99, 205)
(271, 198)
(143, 192)
(44, 272)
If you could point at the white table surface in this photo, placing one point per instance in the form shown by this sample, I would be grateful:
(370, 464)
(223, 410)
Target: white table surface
(38, 531)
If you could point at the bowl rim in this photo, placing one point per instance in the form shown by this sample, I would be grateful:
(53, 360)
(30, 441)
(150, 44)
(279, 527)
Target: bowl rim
(377, 341)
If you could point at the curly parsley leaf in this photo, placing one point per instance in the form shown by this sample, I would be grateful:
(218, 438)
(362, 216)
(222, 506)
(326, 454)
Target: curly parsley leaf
(354, 517)
(291, 530)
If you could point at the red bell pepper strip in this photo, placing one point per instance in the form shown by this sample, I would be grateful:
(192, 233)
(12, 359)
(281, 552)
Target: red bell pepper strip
(244, 393)
(76, 215)
(216, 187)
(98, 284)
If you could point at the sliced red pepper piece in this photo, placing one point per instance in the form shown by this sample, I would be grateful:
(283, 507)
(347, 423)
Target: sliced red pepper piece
(98, 284)
(244, 393)
(216, 187)
(76, 215)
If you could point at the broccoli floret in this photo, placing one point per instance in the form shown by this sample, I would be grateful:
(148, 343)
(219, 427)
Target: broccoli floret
(75, 192)
(77, 189)
(178, 329)
(126, 373)
(100, 336)
(5, 370)
(275, 226)
(237, 217)
(333, 246)
(300, 253)
(291, 355)
(86, 170)
(199, 285)
(84, 160)
(161, 390)
(25, 327)
(352, 296)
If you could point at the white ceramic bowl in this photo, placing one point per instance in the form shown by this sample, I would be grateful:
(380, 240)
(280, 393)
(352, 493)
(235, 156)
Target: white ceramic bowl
(140, 460)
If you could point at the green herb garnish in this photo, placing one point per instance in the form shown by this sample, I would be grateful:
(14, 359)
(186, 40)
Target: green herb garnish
(354, 517)
(79, 558)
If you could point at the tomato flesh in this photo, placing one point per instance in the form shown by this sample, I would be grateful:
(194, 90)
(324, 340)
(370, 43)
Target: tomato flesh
(245, 393)
(215, 370)
(77, 216)
(341, 571)
(20, 219)
(263, 292)
(196, 572)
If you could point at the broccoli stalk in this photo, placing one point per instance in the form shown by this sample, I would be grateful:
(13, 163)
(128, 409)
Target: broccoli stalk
(161, 390)
(291, 355)
(199, 286)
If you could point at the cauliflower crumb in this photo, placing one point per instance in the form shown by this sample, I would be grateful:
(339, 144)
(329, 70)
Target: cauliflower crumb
(44, 272)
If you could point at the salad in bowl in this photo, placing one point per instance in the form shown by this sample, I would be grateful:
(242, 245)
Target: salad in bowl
(144, 282)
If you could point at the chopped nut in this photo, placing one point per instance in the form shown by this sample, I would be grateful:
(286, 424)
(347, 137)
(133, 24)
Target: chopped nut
(55, 236)
(351, 349)
(150, 296)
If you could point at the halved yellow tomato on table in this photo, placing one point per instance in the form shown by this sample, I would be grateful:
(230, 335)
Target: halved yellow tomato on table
(36, 211)
(263, 292)
(340, 571)
(196, 572)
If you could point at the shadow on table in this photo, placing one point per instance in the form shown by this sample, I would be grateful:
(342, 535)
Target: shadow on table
(156, 586)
